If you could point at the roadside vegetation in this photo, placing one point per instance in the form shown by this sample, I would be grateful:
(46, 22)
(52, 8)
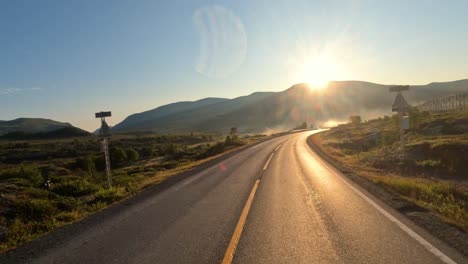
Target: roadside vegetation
(432, 173)
(45, 184)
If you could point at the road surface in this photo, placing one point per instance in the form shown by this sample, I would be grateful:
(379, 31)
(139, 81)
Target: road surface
(276, 202)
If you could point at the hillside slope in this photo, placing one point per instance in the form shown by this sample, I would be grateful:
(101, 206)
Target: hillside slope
(259, 112)
(186, 120)
(31, 125)
(140, 121)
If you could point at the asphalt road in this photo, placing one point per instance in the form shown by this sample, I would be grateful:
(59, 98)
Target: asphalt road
(301, 211)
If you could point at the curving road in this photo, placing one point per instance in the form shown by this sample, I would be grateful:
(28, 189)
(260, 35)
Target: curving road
(297, 209)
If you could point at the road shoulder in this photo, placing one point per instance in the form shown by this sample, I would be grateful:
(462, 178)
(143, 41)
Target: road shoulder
(447, 237)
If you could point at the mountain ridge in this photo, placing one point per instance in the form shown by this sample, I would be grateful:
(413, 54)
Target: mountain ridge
(262, 111)
(26, 128)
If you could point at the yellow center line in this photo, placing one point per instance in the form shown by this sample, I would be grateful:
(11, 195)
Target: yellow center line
(277, 147)
(240, 226)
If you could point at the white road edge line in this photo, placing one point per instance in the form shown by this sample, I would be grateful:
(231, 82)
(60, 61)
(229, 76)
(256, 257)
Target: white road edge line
(268, 162)
(409, 231)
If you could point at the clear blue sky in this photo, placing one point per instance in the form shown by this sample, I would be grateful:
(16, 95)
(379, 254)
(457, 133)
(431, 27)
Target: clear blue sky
(65, 60)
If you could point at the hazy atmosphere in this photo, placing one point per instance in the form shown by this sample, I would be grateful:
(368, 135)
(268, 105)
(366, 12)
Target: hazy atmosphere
(66, 60)
(234, 132)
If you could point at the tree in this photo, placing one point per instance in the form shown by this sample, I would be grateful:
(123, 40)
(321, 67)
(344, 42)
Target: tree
(301, 126)
(228, 141)
(355, 119)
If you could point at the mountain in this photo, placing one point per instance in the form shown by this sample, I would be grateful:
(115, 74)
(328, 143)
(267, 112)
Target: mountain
(38, 128)
(264, 111)
(31, 125)
(64, 132)
(140, 121)
(184, 119)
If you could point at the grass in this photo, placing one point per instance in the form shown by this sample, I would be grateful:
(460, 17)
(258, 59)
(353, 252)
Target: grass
(439, 197)
(433, 172)
(78, 185)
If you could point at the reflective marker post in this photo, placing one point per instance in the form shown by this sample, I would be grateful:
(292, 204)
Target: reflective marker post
(104, 133)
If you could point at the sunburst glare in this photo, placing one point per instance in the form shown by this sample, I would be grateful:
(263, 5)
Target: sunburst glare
(318, 71)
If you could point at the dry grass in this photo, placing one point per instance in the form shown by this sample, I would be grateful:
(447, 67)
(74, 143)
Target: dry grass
(446, 197)
(30, 210)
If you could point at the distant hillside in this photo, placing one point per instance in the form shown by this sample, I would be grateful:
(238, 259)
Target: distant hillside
(186, 118)
(140, 121)
(38, 128)
(64, 132)
(260, 112)
(31, 125)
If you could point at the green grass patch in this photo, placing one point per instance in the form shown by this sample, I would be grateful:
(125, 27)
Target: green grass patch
(440, 197)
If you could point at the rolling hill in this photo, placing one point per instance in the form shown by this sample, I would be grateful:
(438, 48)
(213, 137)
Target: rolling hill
(263, 111)
(37, 128)
(187, 117)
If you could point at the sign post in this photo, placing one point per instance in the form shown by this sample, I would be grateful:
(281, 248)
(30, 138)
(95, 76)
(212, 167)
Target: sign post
(402, 108)
(104, 134)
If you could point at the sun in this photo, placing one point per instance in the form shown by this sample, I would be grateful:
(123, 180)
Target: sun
(318, 83)
(318, 71)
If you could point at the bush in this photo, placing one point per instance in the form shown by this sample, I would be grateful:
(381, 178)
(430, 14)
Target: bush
(117, 155)
(132, 155)
(173, 151)
(228, 141)
(74, 188)
(68, 216)
(146, 152)
(100, 163)
(212, 150)
(388, 137)
(35, 209)
(68, 203)
(110, 195)
(85, 163)
(19, 232)
(32, 174)
(37, 193)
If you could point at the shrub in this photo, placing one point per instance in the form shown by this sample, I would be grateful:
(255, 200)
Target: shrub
(146, 152)
(97, 206)
(68, 216)
(228, 141)
(173, 151)
(19, 232)
(100, 163)
(74, 188)
(85, 163)
(117, 155)
(36, 193)
(35, 209)
(68, 203)
(110, 195)
(31, 174)
(388, 137)
(132, 155)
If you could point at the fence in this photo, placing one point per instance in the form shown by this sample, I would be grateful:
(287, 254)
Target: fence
(456, 102)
